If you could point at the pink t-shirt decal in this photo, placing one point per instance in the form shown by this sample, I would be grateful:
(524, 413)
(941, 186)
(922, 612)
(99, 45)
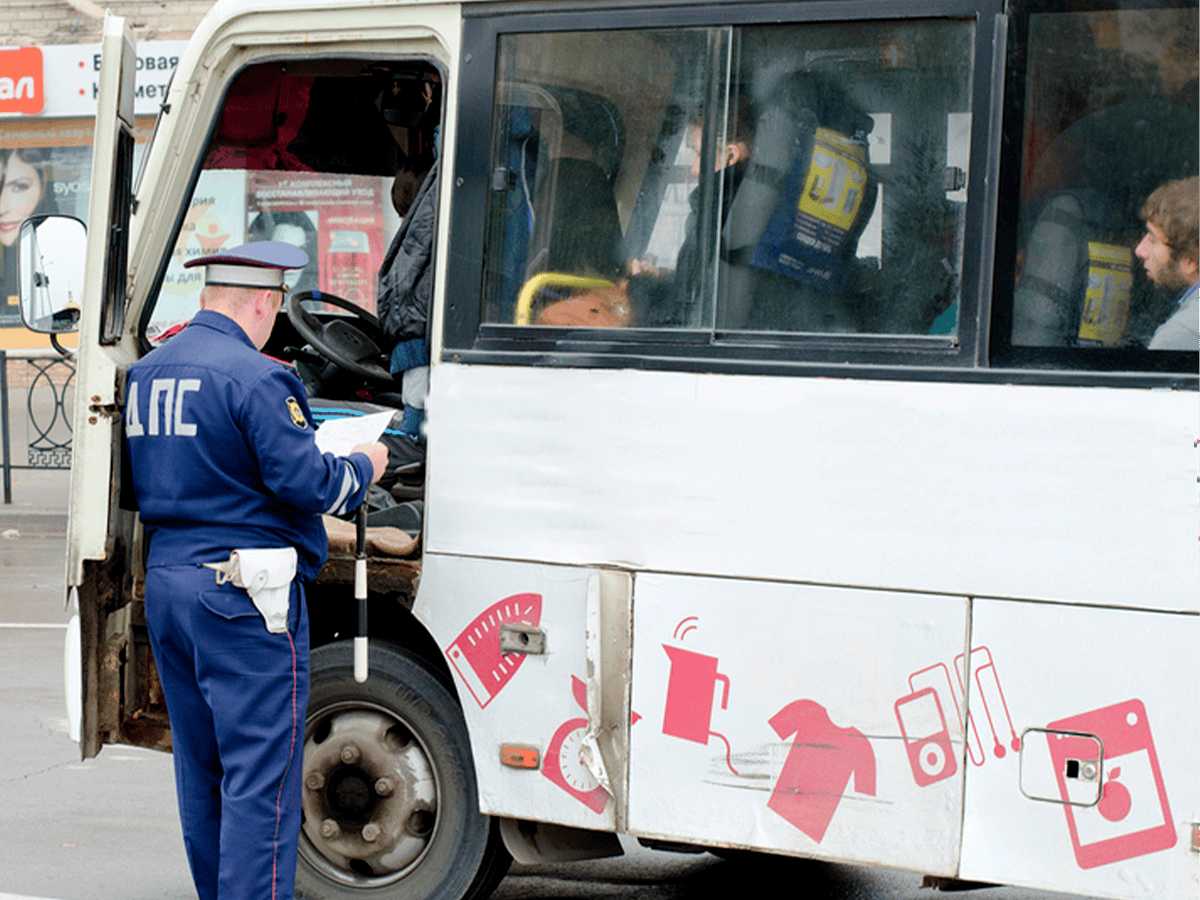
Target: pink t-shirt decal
(818, 767)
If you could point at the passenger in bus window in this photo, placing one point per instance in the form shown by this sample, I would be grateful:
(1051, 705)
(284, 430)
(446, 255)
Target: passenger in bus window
(788, 262)
(671, 298)
(580, 233)
(411, 107)
(1170, 252)
(406, 285)
(586, 230)
(578, 243)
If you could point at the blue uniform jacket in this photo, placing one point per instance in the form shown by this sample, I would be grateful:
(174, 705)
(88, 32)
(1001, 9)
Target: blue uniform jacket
(220, 443)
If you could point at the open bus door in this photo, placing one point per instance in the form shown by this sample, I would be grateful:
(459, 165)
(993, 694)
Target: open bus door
(93, 534)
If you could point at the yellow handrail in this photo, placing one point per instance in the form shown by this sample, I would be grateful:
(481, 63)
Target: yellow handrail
(557, 279)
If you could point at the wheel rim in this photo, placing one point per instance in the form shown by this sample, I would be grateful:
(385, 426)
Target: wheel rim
(370, 796)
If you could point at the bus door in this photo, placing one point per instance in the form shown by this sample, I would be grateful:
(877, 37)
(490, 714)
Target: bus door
(1082, 747)
(278, 141)
(835, 731)
(92, 515)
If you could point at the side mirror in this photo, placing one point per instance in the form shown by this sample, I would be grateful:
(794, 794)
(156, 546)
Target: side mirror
(50, 263)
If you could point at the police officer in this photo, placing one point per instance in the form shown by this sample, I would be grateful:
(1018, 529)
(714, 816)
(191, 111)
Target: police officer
(230, 486)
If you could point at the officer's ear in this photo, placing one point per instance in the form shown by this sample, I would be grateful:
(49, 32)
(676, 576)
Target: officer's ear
(268, 302)
(262, 310)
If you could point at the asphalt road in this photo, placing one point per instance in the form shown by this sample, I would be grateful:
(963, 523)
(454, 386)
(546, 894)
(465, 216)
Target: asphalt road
(106, 828)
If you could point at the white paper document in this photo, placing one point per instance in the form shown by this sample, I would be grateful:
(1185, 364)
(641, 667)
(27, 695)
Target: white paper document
(340, 436)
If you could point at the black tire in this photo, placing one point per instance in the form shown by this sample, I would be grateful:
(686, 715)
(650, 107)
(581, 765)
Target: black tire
(390, 803)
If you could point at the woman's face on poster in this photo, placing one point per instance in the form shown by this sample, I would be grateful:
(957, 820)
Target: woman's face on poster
(294, 235)
(20, 193)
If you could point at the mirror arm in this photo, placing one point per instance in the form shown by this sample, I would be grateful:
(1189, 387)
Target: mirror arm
(66, 352)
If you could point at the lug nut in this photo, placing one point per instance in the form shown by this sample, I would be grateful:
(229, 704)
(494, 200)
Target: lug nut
(384, 787)
(315, 781)
(371, 832)
(330, 829)
(350, 754)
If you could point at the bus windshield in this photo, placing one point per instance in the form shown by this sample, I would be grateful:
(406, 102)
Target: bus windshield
(307, 156)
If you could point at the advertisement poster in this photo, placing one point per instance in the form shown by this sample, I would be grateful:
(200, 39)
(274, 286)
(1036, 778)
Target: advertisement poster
(47, 118)
(45, 168)
(215, 219)
(336, 219)
(33, 181)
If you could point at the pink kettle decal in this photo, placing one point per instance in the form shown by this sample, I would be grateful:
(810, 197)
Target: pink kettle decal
(475, 653)
(1133, 817)
(691, 695)
(822, 760)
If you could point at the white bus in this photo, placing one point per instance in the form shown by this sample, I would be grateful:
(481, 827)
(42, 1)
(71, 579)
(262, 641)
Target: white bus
(795, 474)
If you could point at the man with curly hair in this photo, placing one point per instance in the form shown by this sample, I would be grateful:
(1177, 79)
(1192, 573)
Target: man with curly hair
(1170, 252)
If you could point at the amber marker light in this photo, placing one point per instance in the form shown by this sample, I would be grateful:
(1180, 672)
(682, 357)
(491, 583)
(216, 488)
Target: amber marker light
(518, 756)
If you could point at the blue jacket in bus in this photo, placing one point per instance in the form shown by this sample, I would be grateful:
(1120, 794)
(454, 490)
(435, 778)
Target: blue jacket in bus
(221, 448)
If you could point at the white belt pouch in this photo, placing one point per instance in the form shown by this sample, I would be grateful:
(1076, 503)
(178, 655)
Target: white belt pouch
(267, 575)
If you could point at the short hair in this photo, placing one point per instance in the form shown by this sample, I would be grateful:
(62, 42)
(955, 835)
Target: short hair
(228, 298)
(744, 119)
(1175, 208)
(407, 183)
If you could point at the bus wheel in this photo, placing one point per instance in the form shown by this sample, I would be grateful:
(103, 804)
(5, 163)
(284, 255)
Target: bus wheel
(390, 806)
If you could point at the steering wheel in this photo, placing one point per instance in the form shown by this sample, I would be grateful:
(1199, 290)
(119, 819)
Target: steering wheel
(353, 347)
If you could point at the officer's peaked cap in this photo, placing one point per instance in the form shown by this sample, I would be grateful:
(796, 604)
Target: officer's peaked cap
(256, 265)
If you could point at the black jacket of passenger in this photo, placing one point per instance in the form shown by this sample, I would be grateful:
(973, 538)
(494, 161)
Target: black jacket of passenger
(406, 276)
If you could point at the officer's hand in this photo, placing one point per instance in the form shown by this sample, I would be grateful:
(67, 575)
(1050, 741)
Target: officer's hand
(378, 455)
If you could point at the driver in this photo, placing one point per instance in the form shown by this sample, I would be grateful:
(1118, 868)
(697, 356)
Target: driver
(228, 477)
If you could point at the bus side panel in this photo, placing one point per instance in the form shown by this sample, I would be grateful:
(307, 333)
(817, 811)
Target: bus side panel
(797, 719)
(1083, 685)
(1047, 493)
(534, 703)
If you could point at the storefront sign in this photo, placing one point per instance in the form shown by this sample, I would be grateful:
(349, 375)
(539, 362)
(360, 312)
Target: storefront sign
(21, 81)
(64, 79)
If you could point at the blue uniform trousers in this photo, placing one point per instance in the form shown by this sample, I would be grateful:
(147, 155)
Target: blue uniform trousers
(236, 695)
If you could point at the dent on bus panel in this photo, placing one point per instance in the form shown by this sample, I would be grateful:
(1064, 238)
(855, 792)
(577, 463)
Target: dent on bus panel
(827, 195)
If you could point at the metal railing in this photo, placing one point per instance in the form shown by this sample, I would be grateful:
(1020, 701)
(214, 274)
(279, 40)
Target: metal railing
(37, 394)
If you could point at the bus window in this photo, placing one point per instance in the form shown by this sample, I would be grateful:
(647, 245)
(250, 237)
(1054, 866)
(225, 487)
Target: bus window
(850, 216)
(805, 178)
(587, 124)
(1109, 109)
